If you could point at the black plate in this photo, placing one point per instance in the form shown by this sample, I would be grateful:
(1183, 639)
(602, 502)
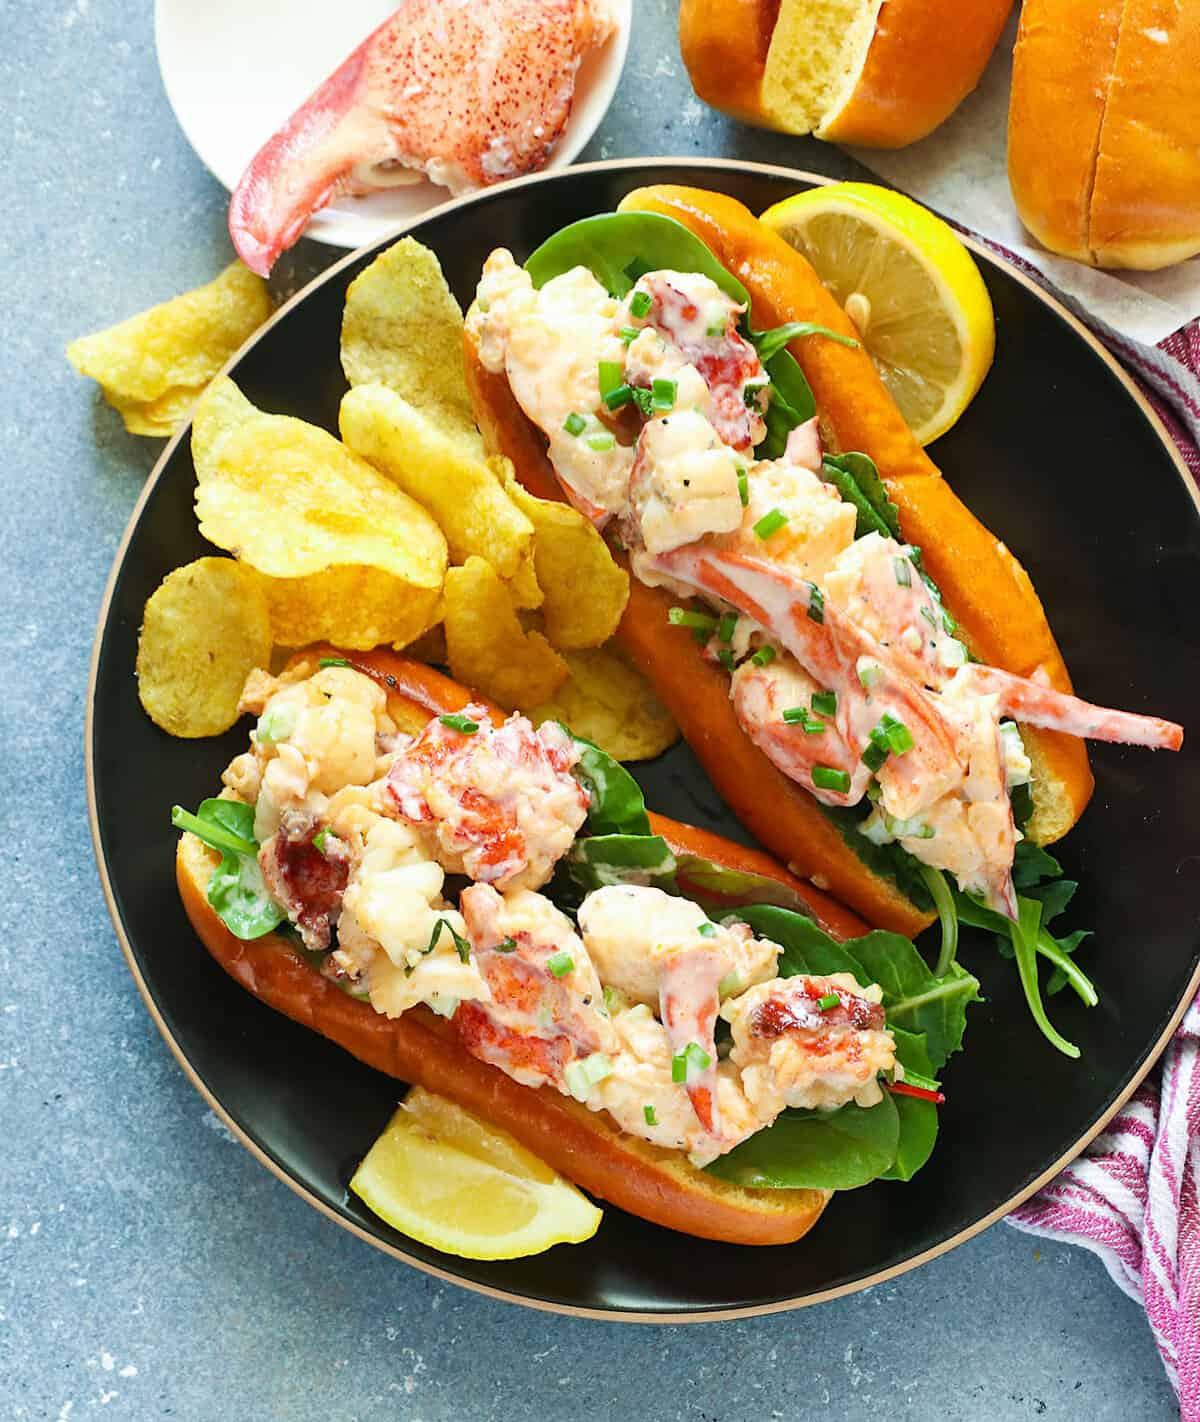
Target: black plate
(1061, 458)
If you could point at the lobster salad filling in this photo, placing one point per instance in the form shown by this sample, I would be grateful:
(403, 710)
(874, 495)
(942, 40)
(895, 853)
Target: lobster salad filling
(665, 425)
(437, 869)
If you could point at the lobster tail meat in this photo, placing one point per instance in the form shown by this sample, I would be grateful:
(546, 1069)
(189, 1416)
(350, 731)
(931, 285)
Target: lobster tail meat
(465, 92)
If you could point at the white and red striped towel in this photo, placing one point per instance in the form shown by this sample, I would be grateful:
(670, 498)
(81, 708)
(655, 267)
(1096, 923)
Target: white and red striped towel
(1133, 1197)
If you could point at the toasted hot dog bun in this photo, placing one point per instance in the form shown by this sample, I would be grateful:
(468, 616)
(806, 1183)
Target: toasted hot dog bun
(1000, 615)
(1112, 85)
(851, 71)
(421, 1049)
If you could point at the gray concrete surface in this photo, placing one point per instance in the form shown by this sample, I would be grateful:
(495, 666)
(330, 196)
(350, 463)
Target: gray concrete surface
(148, 1266)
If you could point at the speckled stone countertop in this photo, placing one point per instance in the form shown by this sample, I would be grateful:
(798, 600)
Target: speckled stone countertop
(149, 1267)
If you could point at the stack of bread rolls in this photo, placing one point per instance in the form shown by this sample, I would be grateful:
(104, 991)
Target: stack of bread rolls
(1104, 122)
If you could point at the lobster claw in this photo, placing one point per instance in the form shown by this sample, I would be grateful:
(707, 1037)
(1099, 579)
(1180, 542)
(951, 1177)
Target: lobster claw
(467, 95)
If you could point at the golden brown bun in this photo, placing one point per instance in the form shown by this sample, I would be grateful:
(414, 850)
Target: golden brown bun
(422, 1049)
(844, 69)
(1104, 129)
(778, 812)
(1000, 614)
(925, 58)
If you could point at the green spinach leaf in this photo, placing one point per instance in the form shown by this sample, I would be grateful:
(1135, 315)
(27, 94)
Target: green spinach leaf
(817, 1150)
(918, 1119)
(617, 247)
(617, 803)
(857, 480)
(237, 889)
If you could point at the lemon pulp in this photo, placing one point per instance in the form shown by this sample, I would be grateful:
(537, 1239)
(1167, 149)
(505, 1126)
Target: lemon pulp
(910, 286)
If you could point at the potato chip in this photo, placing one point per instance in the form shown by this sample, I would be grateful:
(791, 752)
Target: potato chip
(488, 649)
(462, 492)
(430, 647)
(345, 555)
(403, 328)
(584, 592)
(205, 628)
(154, 366)
(609, 702)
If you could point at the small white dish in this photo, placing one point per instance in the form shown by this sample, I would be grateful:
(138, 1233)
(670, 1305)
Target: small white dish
(235, 70)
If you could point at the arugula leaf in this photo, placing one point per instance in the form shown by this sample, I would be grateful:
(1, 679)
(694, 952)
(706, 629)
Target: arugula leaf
(597, 860)
(617, 803)
(918, 1119)
(1029, 938)
(718, 889)
(792, 404)
(770, 343)
(857, 480)
(912, 997)
(817, 1150)
(237, 889)
(1031, 864)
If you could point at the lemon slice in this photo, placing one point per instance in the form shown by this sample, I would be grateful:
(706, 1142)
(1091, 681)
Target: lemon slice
(454, 1182)
(908, 284)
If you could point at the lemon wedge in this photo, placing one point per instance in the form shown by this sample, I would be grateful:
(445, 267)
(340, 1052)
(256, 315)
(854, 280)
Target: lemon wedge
(910, 287)
(443, 1176)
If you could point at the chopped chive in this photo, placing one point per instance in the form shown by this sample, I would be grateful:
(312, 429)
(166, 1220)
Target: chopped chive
(689, 1063)
(869, 674)
(622, 395)
(611, 374)
(629, 334)
(600, 442)
(825, 702)
(457, 722)
(764, 656)
(894, 733)
(903, 571)
(816, 603)
(726, 626)
(802, 716)
(830, 999)
(874, 790)
(725, 657)
(770, 523)
(707, 930)
(697, 621)
(825, 777)
(333, 662)
(663, 394)
(506, 945)
(574, 424)
(640, 303)
(460, 943)
(321, 839)
(874, 755)
(560, 964)
(651, 1117)
(743, 487)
